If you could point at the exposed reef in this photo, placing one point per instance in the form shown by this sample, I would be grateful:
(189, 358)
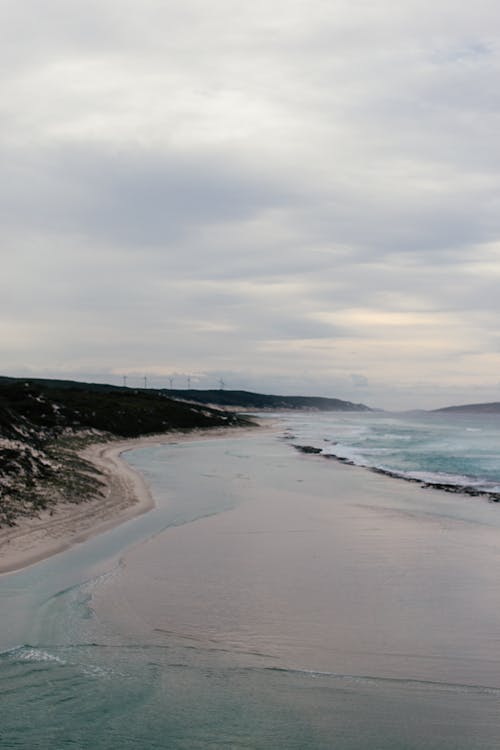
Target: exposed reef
(458, 489)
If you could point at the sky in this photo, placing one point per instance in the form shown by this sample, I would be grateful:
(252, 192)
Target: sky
(296, 197)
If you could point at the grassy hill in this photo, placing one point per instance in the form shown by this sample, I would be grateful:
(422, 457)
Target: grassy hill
(259, 401)
(43, 423)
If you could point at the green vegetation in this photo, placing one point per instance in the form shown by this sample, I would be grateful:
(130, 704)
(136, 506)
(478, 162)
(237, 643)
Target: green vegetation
(44, 423)
(260, 401)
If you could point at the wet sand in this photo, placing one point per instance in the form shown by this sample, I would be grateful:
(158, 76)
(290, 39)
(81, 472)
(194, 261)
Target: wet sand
(320, 567)
(270, 599)
(126, 495)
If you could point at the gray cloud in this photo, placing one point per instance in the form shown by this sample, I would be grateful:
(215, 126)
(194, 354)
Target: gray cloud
(288, 195)
(134, 198)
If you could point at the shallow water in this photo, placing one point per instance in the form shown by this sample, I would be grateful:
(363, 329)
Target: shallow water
(272, 600)
(93, 697)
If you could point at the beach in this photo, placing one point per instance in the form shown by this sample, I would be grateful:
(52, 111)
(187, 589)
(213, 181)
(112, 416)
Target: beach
(125, 495)
(323, 567)
(269, 599)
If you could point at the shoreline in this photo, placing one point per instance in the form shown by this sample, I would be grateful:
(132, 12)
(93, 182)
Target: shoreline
(314, 566)
(455, 489)
(126, 496)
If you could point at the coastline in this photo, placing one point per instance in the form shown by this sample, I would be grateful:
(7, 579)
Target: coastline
(269, 594)
(456, 489)
(126, 495)
(315, 566)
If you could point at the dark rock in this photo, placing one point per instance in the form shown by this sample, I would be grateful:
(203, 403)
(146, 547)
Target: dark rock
(307, 449)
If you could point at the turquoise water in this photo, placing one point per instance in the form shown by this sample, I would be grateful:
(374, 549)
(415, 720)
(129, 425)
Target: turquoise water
(128, 697)
(457, 449)
(77, 674)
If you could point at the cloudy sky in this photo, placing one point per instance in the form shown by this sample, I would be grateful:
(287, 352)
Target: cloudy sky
(294, 196)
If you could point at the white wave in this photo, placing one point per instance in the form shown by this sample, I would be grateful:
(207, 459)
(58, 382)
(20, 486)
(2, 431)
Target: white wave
(393, 436)
(93, 670)
(39, 655)
(375, 451)
(32, 654)
(457, 480)
(344, 451)
(444, 478)
(11, 650)
(421, 450)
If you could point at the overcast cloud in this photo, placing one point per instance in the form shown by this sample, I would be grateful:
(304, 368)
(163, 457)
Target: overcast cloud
(298, 197)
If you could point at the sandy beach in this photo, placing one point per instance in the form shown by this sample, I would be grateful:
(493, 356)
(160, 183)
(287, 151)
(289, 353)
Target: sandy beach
(315, 565)
(270, 599)
(126, 495)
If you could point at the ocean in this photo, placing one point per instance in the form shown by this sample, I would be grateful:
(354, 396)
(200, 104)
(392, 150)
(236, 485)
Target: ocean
(275, 598)
(457, 450)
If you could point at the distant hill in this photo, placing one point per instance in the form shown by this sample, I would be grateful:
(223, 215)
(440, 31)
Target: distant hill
(489, 408)
(124, 412)
(222, 398)
(259, 401)
(64, 385)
